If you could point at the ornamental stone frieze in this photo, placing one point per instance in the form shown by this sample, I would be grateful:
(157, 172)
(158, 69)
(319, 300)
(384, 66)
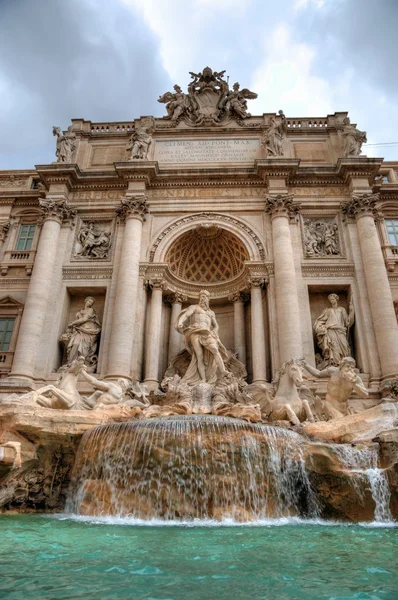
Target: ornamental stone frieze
(57, 210)
(365, 204)
(281, 206)
(133, 207)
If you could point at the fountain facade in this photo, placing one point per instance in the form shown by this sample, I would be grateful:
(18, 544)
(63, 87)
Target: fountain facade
(169, 274)
(196, 467)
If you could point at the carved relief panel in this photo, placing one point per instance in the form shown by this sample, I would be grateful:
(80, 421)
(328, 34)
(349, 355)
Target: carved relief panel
(93, 240)
(321, 237)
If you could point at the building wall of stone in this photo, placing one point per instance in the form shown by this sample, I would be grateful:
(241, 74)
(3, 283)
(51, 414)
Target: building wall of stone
(230, 193)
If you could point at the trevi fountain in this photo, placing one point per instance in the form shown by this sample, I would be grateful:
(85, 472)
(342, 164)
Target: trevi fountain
(199, 360)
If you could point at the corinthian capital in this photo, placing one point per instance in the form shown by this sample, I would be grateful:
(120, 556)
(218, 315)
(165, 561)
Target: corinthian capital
(57, 210)
(364, 205)
(135, 207)
(157, 283)
(281, 205)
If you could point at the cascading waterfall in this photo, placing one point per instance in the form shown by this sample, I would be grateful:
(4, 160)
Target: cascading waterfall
(191, 467)
(362, 463)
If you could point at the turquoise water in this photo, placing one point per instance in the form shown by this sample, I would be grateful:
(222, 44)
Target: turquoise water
(54, 558)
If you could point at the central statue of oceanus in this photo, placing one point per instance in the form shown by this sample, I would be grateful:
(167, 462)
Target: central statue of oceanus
(199, 327)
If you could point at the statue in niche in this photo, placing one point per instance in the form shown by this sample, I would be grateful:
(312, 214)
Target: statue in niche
(94, 244)
(273, 138)
(343, 380)
(332, 328)
(141, 140)
(353, 138)
(199, 327)
(81, 336)
(66, 144)
(321, 238)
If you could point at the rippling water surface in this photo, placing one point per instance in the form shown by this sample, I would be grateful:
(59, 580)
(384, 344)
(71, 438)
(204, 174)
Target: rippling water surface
(61, 558)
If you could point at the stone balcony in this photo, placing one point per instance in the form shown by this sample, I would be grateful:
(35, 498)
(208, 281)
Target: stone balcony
(18, 258)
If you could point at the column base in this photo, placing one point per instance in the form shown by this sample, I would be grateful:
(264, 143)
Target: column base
(118, 376)
(259, 381)
(16, 383)
(152, 384)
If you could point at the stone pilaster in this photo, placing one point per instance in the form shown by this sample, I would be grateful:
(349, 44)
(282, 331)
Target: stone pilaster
(257, 331)
(55, 212)
(364, 209)
(175, 337)
(154, 331)
(281, 208)
(239, 326)
(132, 210)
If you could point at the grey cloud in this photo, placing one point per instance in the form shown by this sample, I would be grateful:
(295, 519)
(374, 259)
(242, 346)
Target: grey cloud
(63, 59)
(361, 34)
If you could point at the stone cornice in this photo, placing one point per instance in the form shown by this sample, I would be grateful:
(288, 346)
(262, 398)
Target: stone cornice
(276, 167)
(358, 166)
(328, 270)
(140, 170)
(87, 272)
(252, 272)
(154, 175)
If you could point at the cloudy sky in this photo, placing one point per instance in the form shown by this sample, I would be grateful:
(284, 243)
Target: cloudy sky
(109, 60)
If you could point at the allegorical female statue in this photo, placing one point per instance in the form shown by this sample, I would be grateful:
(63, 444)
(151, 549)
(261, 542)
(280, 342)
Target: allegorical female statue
(331, 329)
(66, 144)
(81, 336)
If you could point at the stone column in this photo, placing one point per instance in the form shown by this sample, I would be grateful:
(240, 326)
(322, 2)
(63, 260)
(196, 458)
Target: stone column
(280, 208)
(363, 208)
(154, 331)
(132, 210)
(28, 344)
(239, 326)
(174, 336)
(257, 331)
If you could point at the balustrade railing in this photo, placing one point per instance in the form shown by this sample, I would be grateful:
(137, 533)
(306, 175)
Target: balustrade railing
(111, 128)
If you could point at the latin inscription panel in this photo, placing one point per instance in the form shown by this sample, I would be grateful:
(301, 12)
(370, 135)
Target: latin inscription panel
(202, 151)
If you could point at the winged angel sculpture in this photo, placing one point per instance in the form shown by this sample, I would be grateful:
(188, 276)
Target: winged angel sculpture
(209, 99)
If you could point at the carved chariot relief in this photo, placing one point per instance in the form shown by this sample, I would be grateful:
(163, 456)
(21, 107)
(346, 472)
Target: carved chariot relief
(321, 237)
(209, 101)
(93, 240)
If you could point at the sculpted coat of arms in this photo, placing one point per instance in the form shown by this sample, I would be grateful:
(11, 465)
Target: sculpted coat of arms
(209, 99)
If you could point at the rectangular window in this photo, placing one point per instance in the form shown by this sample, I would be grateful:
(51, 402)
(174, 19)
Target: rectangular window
(392, 230)
(6, 327)
(25, 238)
